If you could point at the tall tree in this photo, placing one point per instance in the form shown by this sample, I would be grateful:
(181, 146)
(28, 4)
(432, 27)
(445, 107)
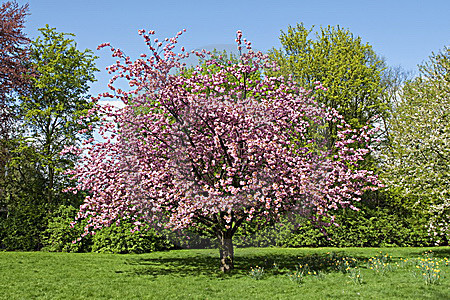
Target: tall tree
(212, 149)
(341, 62)
(417, 163)
(13, 54)
(56, 101)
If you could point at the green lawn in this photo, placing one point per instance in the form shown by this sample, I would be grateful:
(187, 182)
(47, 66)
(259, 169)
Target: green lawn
(193, 274)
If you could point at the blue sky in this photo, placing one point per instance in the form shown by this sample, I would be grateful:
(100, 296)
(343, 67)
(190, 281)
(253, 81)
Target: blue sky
(404, 32)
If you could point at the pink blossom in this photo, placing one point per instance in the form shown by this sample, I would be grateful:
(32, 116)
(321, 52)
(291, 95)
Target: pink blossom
(208, 149)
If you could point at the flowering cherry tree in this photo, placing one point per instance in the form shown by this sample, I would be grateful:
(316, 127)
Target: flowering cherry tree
(214, 147)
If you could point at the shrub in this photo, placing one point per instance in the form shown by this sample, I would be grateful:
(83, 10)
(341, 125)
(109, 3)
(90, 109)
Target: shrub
(120, 239)
(369, 227)
(59, 236)
(21, 226)
(379, 227)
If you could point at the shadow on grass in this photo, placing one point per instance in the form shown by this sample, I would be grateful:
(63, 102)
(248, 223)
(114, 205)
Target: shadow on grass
(441, 252)
(175, 266)
(208, 265)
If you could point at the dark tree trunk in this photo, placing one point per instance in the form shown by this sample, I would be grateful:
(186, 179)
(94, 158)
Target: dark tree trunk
(51, 175)
(226, 251)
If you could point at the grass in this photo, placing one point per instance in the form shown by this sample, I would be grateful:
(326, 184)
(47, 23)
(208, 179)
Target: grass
(327, 273)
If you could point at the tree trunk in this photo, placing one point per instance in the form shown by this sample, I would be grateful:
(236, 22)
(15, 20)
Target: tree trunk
(51, 174)
(226, 251)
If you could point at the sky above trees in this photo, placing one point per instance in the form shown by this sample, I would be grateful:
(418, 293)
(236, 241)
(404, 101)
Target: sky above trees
(404, 32)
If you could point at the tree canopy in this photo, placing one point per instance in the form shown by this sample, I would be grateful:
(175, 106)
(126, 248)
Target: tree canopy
(342, 63)
(207, 152)
(57, 98)
(13, 55)
(46, 120)
(417, 161)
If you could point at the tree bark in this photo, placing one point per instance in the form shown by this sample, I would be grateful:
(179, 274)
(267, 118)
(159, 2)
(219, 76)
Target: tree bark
(51, 175)
(226, 251)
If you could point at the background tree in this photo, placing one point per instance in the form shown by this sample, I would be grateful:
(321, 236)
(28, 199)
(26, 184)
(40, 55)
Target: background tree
(348, 68)
(417, 163)
(56, 101)
(13, 54)
(47, 120)
(207, 152)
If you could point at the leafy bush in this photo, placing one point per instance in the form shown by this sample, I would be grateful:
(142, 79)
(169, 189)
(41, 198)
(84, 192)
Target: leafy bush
(120, 239)
(369, 227)
(59, 236)
(366, 228)
(21, 226)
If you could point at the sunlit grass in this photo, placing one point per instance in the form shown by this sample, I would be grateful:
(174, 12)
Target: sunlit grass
(327, 273)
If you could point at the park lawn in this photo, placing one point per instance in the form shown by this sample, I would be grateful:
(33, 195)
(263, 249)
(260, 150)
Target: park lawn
(193, 274)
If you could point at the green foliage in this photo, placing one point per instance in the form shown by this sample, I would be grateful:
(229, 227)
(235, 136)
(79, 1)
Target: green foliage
(416, 163)
(120, 239)
(21, 228)
(430, 268)
(47, 121)
(50, 113)
(348, 68)
(369, 227)
(23, 209)
(256, 273)
(188, 239)
(59, 236)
